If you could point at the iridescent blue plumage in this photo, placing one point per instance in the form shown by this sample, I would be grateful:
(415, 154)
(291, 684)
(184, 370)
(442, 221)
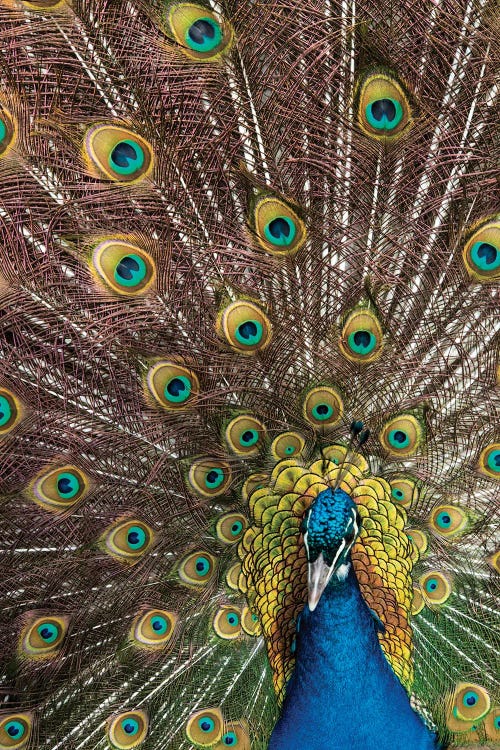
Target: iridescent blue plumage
(343, 689)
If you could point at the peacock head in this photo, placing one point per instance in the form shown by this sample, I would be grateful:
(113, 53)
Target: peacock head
(330, 528)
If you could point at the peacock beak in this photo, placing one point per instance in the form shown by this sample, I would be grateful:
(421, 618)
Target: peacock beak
(319, 574)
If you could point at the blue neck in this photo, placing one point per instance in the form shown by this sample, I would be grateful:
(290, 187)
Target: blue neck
(343, 693)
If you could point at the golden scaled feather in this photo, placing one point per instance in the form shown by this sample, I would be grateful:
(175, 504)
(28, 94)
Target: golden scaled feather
(227, 231)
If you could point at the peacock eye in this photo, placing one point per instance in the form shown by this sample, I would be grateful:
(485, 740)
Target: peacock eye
(118, 154)
(227, 623)
(323, 407)
(481, 253)
(402, 435)
(201, 34)
(383, 109)
(250, 622)
(7, 131)
(173, 386)
(124, 268)
(197, 568)
(128, 541)
(361, 339)
(231, 527)
(436, 587)
(492, 724)
(210, 477)
(489, 461)
(287, 444)
(60, 488)
(10, 411)
(153, 629)
(384, 114)
(235, 735)
(43, 637)
(470, 702)
(278, 228)
(15, 730)
(128, 729)
(204, 728)
(245, 327)
(404, 491)
(485, 256)
(127, 157)
(449, 521)
(245, 435)
(204, 35)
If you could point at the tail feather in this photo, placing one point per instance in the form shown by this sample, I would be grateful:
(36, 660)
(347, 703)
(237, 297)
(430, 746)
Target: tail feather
(275, 126)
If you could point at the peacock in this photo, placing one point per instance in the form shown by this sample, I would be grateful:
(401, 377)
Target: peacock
(249, 374)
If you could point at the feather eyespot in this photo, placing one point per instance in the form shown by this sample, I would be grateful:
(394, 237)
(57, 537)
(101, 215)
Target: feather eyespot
(42, 637)
(361, 339)
(125, 268)
(10, 411)
(127, 729)
(173, 386)
(492, 724)
(253, 482)
(231, 527)
(227, 623)
(278, 228)
(197, 568)
(153, 629)
(201, 34)
(494, 561)
(402, 436)
(15, 730)
(404, 491)
(468, 704)
(42, 4)
(204, 728)
(436, 587)
(210, 477)
(323, 407)
(8, 131)
(118, 154)
(449, 521)
(418, 602)
(128, 540)
(245, 435)
(60, 488)
(250, 622)
(287, 445)
(245, 327)
(383, 107)
(489, 461)
(419, 542)
(233, 575)
(235, 735)
(481, 253)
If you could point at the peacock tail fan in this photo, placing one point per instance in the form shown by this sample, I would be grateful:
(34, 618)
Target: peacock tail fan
(228, 232)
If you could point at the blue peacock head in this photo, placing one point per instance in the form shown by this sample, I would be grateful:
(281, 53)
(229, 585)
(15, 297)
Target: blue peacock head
(330, 528)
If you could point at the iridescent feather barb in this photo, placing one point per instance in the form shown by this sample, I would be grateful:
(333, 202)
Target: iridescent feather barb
(249, 312)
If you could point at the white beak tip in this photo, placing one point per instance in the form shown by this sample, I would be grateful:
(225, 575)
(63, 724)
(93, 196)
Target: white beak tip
(313, 603)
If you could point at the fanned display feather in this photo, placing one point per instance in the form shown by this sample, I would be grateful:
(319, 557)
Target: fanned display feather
(249, 327)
